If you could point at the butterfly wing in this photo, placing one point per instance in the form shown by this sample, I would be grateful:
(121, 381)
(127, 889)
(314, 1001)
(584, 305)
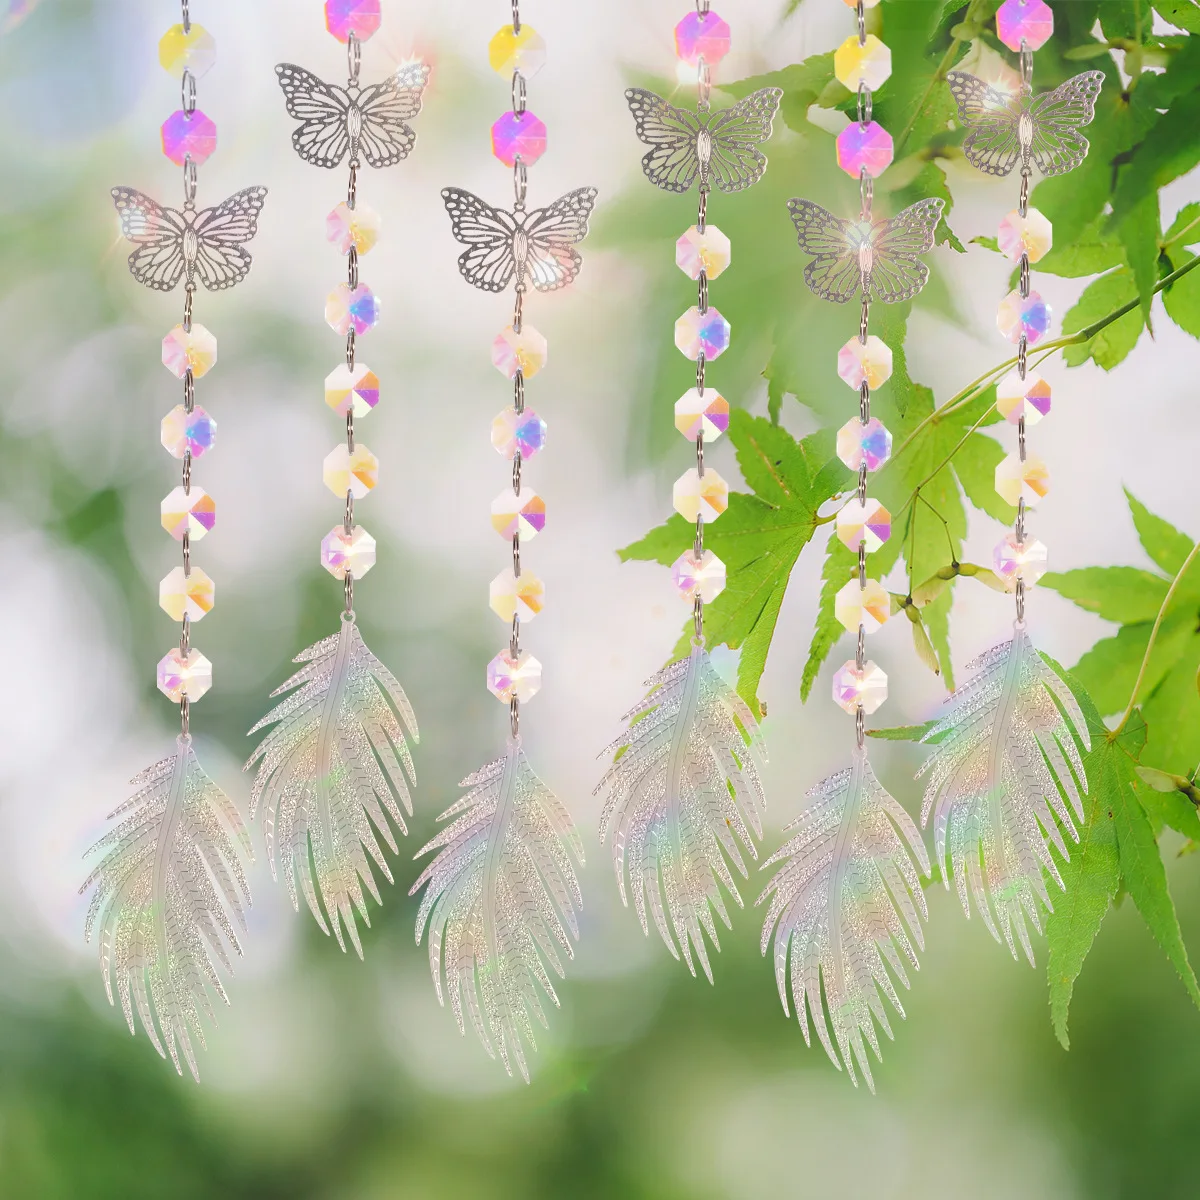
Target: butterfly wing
(552, 233)
(323, 136)
(993, 143)
(735, 135)
(488, 234)
(834, 274)
(896, 273)
(157, 260)
(1058, 146)
(672, 134)
(221, 234)
(386, 109)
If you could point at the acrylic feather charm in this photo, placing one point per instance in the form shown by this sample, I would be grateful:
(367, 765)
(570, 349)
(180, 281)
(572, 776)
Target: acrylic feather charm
(683, 795)
(502, 898)
(330, 773)
(167, 887)
(1004, 758)
(846, 904)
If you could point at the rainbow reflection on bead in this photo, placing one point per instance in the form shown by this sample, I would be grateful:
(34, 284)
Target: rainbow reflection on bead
(518, 432)
(1031, 235)
(702, 36)
(519, 514)
(868, 524)
(696, 495)
(867, 605)
(192, 512)
(853, 688)
(510, 678)
(349, 308)
(1028, 21)
(346, 17)
(866, 148)
(699, 333)
(1028, 398)
(518, 135)
(184, 676)
(522, 596)
(194, 51)
(184, 432)
(524, 52)
(1028, 316)
(525, 351)
(181, 594)
(358, 227)
(193, 348)
(1024, 561)
(869, 363)
(352, 390)
(1017, 480)
(185, 137)
(858, 444)
(702, 416)
(703, 576)
(345, 553)
(356, 472)
(710, 252)
(856, 65)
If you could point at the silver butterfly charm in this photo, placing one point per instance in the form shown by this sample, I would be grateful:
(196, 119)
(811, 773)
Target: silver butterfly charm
(714, 147)
(878, 256)
(1043, 130)
(536, 247)
(206, 245)
(371, 122)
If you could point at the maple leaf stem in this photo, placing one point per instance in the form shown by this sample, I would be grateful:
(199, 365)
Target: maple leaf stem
(1158, 620)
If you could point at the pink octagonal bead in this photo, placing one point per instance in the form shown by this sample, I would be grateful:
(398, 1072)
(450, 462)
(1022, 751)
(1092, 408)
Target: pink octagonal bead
(518, 136)
(865, 148)
(704, 37)
(346, 17)
(185, 137)
(1028, 21)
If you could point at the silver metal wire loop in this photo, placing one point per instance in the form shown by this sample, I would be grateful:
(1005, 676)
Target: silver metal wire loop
(864, 318)
(1024, 276)
(703, 85)
(862, 565)
(700, 454)
(348, 515)
(860, 726)
(188, 294)
(351, 346)
(702, 212)
(353, 58)
(866, 195)
(698, 540)
(516, 555)
(186, 473)
(700, 365)
(187, 93)
(189, 390)
(1023, 356)
(516, 16)
(514, 636)
(519, 96)
(860, 15)
(352, 267)
(514, 718)
(865, 105)
(519, 391)
(702, 292)
(1023, 202)
(862, 483)
(1026, 67)
(348, 592)
(350, 431)
(520, 184)
(186, 16)
(516, 473)
(702, 7)
(352, 186)
(189, 182)
(185, 716)
(1021, 437)
(864, 402)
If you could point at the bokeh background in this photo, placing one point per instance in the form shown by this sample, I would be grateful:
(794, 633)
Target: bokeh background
(331, 1078)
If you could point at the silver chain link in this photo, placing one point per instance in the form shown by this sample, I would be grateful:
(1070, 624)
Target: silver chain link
(1023, 344)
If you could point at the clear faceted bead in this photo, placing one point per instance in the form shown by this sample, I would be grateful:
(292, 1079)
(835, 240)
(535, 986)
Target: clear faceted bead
(524, 52)
(1029, 316)
(1031, 235)
(519, 677)
(352, 390)
(345, 554)
(695, 495)
(702, 36)
(852, 687)
(349, 308)
(519, 513)
(699, 333)
(182, 595)
(192, 512)
(868, 606)
(184, 676)
(519, 135)
(525, 351)
(195, 348)
(704, 576)
(356, 473)
(704, 416)
(870, 63)
(185, 137)
(1028, 397)
(358, 227)
(514, 432)
(1020, 560)
(858, 443)
(868, 524)
(709, 252)
(194, 51)
(865, 148)
(522, 596)
(870, 362)
(182, 431)
(346, 17)
(1017, 480)
(1029, 21)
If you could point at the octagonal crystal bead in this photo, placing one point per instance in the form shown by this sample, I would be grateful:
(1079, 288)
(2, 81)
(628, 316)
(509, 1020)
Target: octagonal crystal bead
(192, 512)
(695, 495)
(866, 148)
(516, 433)
(1028, 21)
(519, 135)
(510, 678)
(182, 432)
(702, 36)
(867, 605)
(852, 687)
(1031, 235)
(709, 252)
(525, 351)
(1028, 316)
(352, 390)
(358, 227)
(345, 553)
(1025, 561)
(511, 595)
(194, 51)
(185, 137)
(698, 416)
(349, 308)
(182, 595)
(703, 576)
(868, 524)
(355, 472)
(858, 443)
(870, 63)
(699, 333)
(346, 17)
(1028, 397)
(1017, 480)
(525, 52)
(520, 513)
(195, 348)
(184, 676)
(870, 362)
